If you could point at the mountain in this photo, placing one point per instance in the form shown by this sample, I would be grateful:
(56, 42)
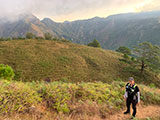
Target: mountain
(25, 23)
(114, 31)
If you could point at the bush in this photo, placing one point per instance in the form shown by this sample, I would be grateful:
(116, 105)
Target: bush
(6, 72)
(30, 35)
(124, 50)
(152, 85)
(5, 39)
(94, 43)
(48, 36)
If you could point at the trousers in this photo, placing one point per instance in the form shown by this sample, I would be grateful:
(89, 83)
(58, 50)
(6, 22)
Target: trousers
(128, 104)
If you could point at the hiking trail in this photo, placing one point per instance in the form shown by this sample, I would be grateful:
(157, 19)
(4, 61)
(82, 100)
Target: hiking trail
(142, 112)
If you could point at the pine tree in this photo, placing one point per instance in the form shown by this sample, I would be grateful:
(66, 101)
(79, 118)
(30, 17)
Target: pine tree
(148, 56)
(94, 43)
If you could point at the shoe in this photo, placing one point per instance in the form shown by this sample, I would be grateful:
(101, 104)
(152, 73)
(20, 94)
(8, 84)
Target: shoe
(133, 117)
(126, 112)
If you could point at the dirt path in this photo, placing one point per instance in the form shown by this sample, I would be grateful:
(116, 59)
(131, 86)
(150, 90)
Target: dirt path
(142, 112)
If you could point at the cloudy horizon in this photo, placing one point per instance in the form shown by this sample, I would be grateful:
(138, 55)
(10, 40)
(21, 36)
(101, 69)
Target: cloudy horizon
(70, 10)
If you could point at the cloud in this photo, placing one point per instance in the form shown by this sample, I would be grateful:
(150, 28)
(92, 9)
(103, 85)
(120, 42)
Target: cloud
(150, 5)
(61, 10)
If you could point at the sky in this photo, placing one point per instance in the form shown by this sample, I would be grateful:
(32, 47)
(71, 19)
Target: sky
(70, 10)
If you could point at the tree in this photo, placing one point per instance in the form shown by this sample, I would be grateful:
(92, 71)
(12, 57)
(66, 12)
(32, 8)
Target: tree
(148, 56)
(48, 36)
(30, 35)
(124, 50)
(94, 43)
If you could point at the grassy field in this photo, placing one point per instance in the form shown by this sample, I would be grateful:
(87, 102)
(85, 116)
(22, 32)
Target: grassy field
(35, 60)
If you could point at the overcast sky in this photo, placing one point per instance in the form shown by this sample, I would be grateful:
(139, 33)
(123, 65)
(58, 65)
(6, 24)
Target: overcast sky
(61, 10)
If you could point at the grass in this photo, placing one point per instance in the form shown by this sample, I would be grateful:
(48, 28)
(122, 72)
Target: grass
(40, 99)
(35, 60)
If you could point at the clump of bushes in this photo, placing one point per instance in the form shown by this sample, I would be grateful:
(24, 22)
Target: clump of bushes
(6, 72)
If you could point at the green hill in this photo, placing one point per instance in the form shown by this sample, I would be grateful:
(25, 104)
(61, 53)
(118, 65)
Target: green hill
(39, 59)
(36, 60)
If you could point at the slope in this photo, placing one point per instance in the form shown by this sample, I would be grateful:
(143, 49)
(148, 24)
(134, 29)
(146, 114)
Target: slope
(36, 60)
(39, 59)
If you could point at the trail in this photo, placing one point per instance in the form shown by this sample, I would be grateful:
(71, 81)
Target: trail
(142, 112)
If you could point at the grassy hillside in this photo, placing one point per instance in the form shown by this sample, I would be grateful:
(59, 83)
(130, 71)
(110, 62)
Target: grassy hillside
(35, 60)
(39, 59)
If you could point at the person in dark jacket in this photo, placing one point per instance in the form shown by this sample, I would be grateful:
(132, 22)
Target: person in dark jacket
(132, 96)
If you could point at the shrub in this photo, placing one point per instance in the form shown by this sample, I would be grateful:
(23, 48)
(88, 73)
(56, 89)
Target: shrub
(30, 35)
(124, 50)
(94, 43)
(152, 85)
(6, 72)
(48, 36)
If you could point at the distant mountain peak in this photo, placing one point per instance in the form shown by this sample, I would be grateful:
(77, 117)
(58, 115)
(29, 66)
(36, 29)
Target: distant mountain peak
(48, 20)
(66, 21)
(28, 17)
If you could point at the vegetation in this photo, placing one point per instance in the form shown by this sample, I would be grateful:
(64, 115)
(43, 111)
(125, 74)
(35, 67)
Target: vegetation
(35, 60)
(94, 43)
(30, 35)
(4, 39)
(6, 72)
(145, 58)
(48, 36)
(148, 55)
(66, 79)
(124, 50)
(38, 59)
(69, 98)
(16, 97)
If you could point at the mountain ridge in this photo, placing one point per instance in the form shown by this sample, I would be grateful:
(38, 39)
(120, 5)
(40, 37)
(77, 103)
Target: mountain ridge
(113, 31)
